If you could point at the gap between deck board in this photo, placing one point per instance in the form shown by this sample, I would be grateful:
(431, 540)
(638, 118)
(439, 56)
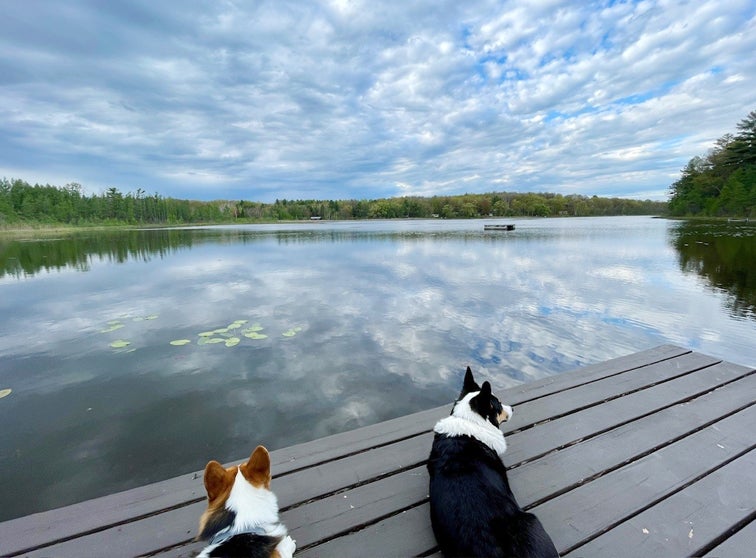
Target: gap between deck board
(583, 514)
(689, 522)
(644, 436)
(642, 378)
(578, 428)
(740, 542)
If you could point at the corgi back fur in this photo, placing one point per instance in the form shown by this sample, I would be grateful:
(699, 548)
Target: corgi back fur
(473, 510)
(242, 513)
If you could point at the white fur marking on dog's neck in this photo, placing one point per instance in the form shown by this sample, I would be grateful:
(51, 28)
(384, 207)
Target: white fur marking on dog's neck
(254, 507)
(466, 422)
(256, 512)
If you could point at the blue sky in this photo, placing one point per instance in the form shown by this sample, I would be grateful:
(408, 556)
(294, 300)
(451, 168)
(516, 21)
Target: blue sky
(349, 99)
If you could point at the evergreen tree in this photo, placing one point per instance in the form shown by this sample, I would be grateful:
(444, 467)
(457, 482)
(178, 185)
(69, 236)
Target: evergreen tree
(723, 182)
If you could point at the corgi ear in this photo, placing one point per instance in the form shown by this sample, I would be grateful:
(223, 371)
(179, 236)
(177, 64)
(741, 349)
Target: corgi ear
(469, 384)
(217, 480)
(257, 469)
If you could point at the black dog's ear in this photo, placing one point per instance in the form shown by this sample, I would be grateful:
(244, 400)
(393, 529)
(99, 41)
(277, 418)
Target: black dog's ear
(482, 402)
(485, 391)
(469, 384)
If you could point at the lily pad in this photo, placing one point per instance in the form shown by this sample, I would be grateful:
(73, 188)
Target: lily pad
(206, 334)
(252, 329)
(221, 330)
(291, 332)
(232, 341)
(112, 327)
(151, 317)
(214, 340)
(5, 392)
(255, 335)
(180, 342)
(120, 344)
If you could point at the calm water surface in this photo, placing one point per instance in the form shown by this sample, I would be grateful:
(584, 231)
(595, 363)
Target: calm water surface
(347, 324)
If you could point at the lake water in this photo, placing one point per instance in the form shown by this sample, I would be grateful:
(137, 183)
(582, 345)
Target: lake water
(339, 325)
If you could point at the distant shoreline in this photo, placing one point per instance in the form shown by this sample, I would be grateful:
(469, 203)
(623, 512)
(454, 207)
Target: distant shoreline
(55, 228)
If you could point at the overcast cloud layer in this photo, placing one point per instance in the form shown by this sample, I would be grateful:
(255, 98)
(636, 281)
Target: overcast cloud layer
(352, 99)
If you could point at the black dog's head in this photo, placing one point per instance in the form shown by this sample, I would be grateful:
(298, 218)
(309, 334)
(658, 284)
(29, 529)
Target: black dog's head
(480, 401)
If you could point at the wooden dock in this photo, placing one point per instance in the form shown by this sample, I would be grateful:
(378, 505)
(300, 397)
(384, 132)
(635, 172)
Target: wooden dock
(651, 454)
(498, 227)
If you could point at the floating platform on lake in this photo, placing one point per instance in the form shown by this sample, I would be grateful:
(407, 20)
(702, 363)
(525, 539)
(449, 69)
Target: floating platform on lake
(498, 227)
(649, 454)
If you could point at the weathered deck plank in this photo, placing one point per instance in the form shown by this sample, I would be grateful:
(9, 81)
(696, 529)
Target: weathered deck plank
(574, 437)
(577, 398)
(573, 518)
(408, 533)
(569, 467)
(740, 543)
(595, 420)
(688, 521)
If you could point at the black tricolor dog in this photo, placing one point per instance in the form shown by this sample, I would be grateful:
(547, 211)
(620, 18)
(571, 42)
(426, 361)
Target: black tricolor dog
(473, 510)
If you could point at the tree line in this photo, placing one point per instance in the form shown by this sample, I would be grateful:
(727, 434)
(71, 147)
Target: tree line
(23, 203)
(722, 182)
(20, 202)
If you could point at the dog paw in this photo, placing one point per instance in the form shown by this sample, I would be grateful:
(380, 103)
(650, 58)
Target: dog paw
(286, 547)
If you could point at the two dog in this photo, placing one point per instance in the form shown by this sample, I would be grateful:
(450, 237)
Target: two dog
(473, 509)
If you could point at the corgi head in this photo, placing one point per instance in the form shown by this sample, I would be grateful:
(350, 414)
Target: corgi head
(238, 497)
(476, 402)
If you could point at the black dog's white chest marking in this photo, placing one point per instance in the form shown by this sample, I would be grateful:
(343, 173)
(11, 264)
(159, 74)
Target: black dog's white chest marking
(465, 422)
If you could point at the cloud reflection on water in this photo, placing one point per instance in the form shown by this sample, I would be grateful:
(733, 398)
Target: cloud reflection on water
(390, 316)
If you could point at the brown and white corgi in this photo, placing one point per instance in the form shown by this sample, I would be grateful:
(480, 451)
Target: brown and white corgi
(242, 513)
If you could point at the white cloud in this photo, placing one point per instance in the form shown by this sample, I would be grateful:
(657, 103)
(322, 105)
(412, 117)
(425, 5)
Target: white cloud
(350, 99)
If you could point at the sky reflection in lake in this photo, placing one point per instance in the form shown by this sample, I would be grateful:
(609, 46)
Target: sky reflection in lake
(388, 314)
